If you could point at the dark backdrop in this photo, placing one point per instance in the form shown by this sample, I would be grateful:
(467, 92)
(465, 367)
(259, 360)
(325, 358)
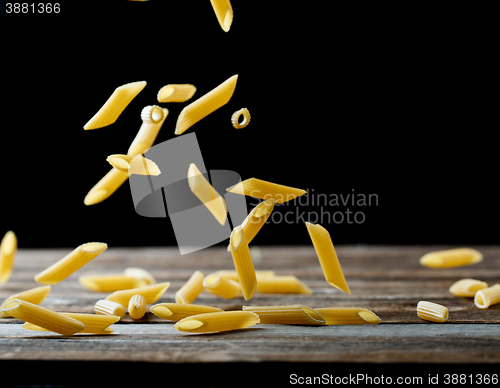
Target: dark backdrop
(366, 100)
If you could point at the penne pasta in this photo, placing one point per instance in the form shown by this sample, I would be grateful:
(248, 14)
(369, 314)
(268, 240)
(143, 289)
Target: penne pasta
(8, 250)
(134, 164)
(222, 286)
(327, 256)
(432, 311)
(266, 190)
(200, 187)
(114, 106)
(137, 306)
(287, 315)
(487, 297)
(151, 125)
(282, 285)
(243, 262)
(105, 187)
(233, 275)
(467, 287)
(140, 274)
(110, 283)
(451, 258)
(94, 324)
(191, 289)
(205, 105)
(151, 293)
(216, 322)
(176, 93)
(43, 317)
(108, 307)
(178, 311)
(70, 263)
(348, 316)
(34, 295)
(223, 12)
(235, 118)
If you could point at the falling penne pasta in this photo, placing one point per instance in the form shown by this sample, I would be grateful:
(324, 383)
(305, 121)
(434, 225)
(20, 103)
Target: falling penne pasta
(152, 120)
(204, 191)
(287, 315)
(223, 12)
(108, 307)
(134, 164)
(222, 286)
(114, 106)
(432, 311)
(177, 311)
(327, 256)
(43, 317)
(8, 249)
(266, 190)
(141, 274)
(176, 93)
(105, 187)
(34, 295)
(233, 275)
(467, 287)
(72, 262)
(235, 118)
(205, 105)
(348, 316)
(94, 324)
(191, 289)
(110, 283)
(282, 285)
(243, 262)
(216, 322)
(137, 306)
(487, 297)
(151, 293)
(451, 258)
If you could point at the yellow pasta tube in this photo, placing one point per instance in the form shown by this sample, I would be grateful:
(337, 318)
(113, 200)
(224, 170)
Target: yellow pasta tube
(108, 307)
(235, 118)
(233, 275)
(191, 289)
(71, 263)
(178, 311)
(243, 262)
(327, 256)
(114, 106)
(151, 293)
(110, 283)
(43, 317)
(94, 324)
(223, 12)
(348, 316)
(266, 190)
(137, 306)
(451, 258)
(200, 187)
(222, 286)
(487, 297)
(216, 322)
(432, 311)
(105, 187)
(205, 105)
(467, 287)
(34, 295)
(141, 274)
(176, 93)
(282, 285)
(152, 120)
(134, 164)
(8, 249)
(287, 315)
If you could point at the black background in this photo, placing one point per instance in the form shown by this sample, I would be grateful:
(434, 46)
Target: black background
(394, 101)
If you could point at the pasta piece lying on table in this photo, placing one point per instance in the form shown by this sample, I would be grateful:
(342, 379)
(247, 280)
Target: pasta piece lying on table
(287, 315)
(178, 311)
(258, 188)
(141, 274)
(224, 13)
(71, 263)
(34, 295)
(134, 164)
(110, 283)
(216, 322)
(282, 285)
(487, 297)
(108, 307)
(137, 306)
(467, 287)
(348, 316)
(432, 311)
(176, 93)
(233, 275)
(151, 293)
(8, 249)
(94, 324)
(191, 289)
(243, 262)
(222, 286)
(451, 258)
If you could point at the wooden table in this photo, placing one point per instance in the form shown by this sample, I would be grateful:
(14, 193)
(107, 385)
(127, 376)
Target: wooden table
(387, 280)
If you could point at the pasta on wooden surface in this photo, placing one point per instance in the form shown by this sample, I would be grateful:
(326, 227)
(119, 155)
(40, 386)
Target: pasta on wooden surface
(43, 317)
(137, 306)
(141, 274)
(287, 315)
(233, 275)
(176, 93)
(94, 324)
(70, 263)
(204, 191)
(348, 316)
(432, 311)
(134, 164)
(258, 188)
(487, 297)
(467, 287)
(327, 256)
(224, 13)
(34, 295)
(235, 118)
(8, 250)
(151, 293)
(282, 285)
(114, 106)
(110, 283)
(451, 258)
(191, 289)
(222, 286)
(151, 125)
(216, 322)
(178, 311)
(205, 105)
(243, 262)
(108, 307)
